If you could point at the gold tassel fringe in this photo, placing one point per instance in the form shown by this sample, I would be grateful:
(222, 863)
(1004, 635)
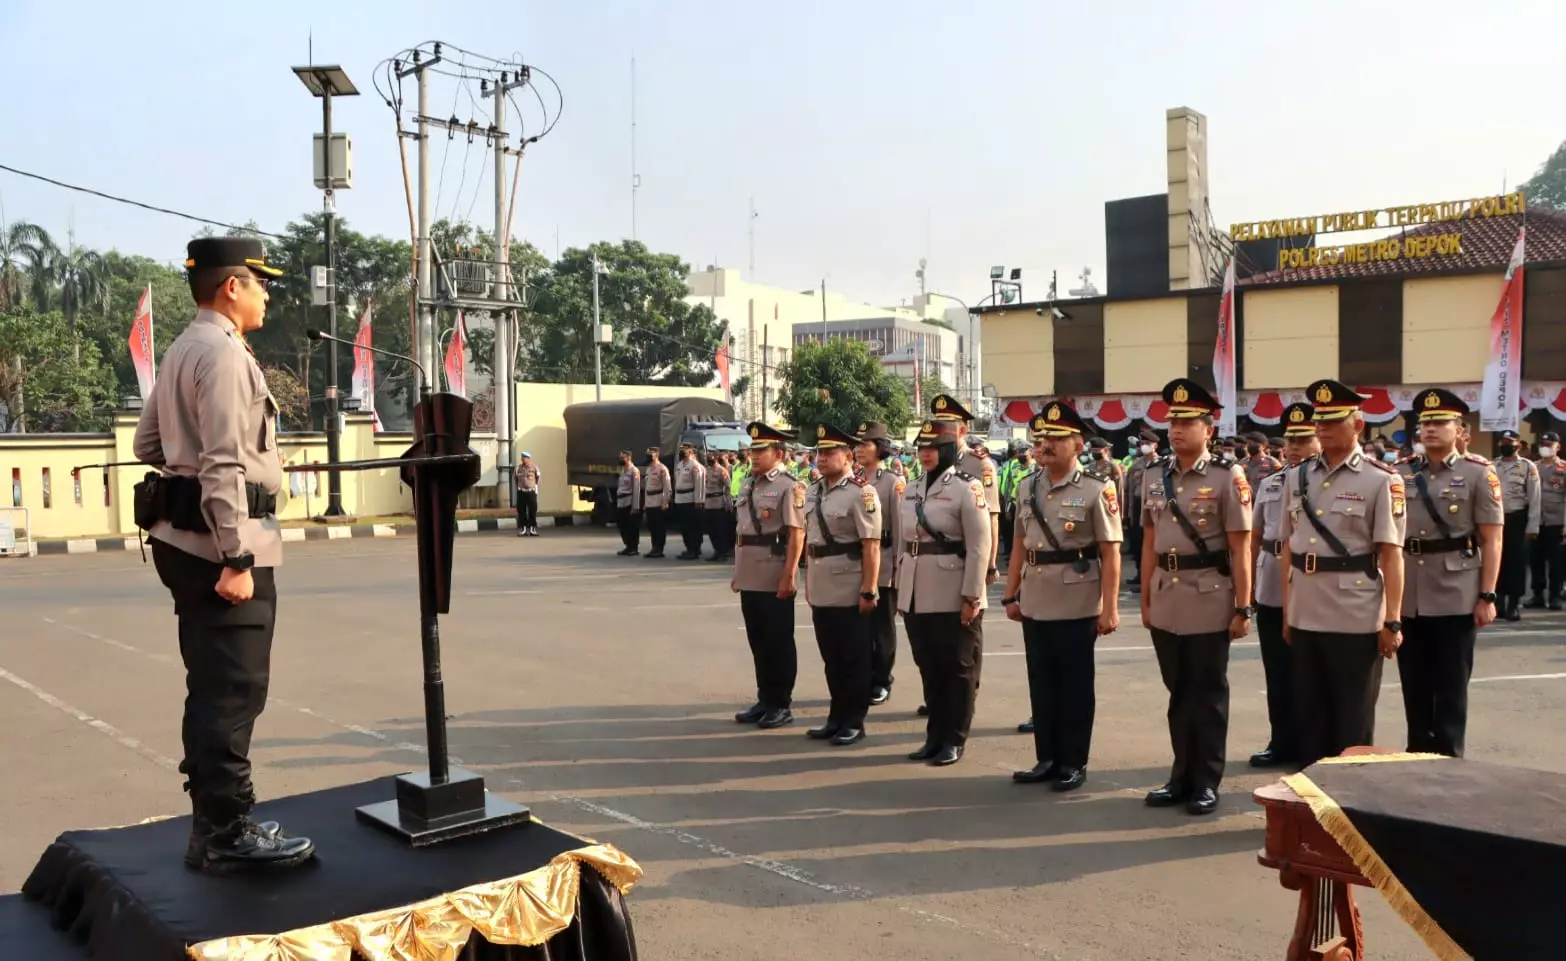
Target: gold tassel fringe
(1331, 817)
(1381, 758)
(525, 910)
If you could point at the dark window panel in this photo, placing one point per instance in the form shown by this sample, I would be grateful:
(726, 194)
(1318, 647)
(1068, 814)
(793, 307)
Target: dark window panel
(1370, 332)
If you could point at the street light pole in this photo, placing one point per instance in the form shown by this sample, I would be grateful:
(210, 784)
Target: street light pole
(598, 350)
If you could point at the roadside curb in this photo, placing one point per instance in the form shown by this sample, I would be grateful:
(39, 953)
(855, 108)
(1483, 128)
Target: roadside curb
(472, 525)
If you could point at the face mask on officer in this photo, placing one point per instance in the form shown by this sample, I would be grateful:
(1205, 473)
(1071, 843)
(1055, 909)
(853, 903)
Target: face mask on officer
(1419, 450)
(1390, 457)
(1507, 449)
(1546, 450)
(1146, 449)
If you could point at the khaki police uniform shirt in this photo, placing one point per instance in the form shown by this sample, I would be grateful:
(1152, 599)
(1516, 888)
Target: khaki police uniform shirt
(1520, 488)
(1083, 511)
(656, 486)
(1216, 499)
(1465, 492)
(852, 511)
(689, 481)
(1267, 525)
(1259, 468)
(983, 469)
(889, 486)
(527, 477)
(717, 491)
(767, 504)
(1362, 503)
(212, 417)
(1552, 492)
(1133, 487)
(630, 489)
(955, 506)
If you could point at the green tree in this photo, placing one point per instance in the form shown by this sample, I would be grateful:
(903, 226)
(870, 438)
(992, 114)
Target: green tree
(17, 241)
(1547, 187)
(45, 386)
(839, 383)
(128, 277)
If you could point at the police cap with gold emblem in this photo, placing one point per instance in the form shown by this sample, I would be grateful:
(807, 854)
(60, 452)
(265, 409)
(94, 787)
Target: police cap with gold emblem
(1438, 404)
(1057, 419)
(873, 431)
(1333, 401)
(1188, 400)
(934, 433)
(1299, 420)
(946, 407)
(207, 252)
(765, 435)
(828, 436)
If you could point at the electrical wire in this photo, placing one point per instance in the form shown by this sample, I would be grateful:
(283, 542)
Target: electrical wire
(137, 203)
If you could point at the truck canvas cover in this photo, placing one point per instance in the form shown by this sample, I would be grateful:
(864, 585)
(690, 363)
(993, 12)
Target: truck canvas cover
(596, 432)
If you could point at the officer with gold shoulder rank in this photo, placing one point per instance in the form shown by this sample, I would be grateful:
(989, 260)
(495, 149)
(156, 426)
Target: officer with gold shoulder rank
(1520, 500)
(1196, 591)
(1063, 584)
(628, 506)
(771, 510)
(941, 588)
(875, 446)
(210, 428)
(1545, 554)
(1300, 445)
(1342, 535)
(657, 489)
(843, 543)
(1452, 558)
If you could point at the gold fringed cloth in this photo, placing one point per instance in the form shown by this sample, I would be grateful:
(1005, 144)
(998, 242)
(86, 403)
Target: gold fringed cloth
(1471, 856)
(526, 910)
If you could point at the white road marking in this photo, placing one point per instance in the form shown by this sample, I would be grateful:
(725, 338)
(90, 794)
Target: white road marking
(102, 727)
(1495, 678)
(1110, 650)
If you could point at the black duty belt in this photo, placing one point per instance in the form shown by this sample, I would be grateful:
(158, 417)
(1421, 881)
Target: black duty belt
(1438, 545)
(178, 501)
(916, 548)
(1334, 564)
(836, 549)
(685, 490)
(1273, 547)
(1040, 558)
(1170, 561)
(758, 540)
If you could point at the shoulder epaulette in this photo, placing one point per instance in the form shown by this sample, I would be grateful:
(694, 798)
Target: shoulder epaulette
(857, 480)
(1223, 460)
(1381, 465)
(1089, 475)
(963, 475)
(1476, 459)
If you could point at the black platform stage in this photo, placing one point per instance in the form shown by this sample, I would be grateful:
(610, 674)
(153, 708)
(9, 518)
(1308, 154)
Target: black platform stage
(124, 894)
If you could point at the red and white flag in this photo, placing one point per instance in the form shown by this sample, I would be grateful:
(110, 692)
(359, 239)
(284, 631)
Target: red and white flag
(457, 359)
(364, 367)
(141, 345)
(1498, 398)
(1223, 356)
(720, 360)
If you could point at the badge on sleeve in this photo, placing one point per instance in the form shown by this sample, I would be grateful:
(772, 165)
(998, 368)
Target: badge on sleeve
(1495, 485)
(1244, 487)
(1111, 502)
(989, 477)
(901, 486)
(978, 493)
(868, 495)
(799, 494)
(1399, 497)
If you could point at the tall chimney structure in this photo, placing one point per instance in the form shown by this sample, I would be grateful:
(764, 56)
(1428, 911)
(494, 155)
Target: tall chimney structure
(1187, 144)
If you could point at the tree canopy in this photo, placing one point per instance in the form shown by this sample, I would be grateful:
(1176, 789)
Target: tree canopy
(841, 384)
(1547, 187)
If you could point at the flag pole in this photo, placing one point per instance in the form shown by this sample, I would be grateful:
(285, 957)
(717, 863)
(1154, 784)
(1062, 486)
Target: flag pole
(152, 341)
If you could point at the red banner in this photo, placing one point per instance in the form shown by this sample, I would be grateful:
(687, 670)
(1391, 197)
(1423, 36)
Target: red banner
(1223, 355)
(141, 345)
(457, 359)
(1503, 371)
(720, 360)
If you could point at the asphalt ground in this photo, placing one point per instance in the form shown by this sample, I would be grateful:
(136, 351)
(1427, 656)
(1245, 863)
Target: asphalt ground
(600, 690)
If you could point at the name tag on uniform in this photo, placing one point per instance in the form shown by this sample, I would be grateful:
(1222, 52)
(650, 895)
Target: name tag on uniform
(1073, 502)
(1351, 496)
(1455, 482)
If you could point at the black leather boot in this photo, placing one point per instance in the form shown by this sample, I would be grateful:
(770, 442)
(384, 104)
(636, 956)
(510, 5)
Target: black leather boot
(233, 842)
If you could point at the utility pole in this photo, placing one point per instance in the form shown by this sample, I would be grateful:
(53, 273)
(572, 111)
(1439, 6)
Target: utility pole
(426, 307)
(765, 350)
(823, 312)
(636, 178)
(598, 350)
(751, 229)
(502, 290)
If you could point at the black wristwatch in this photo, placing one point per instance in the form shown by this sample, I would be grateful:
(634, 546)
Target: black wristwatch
(240, 562)
(1487, 596)
(1396, 627)
(867, 595)
(1008, 600)
(1246, 612)
(993, 570)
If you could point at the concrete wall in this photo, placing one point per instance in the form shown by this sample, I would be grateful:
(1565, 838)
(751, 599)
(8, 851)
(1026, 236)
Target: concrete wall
(1446, 327)
(1144, 344)
(1290, 336)
(1019, 353)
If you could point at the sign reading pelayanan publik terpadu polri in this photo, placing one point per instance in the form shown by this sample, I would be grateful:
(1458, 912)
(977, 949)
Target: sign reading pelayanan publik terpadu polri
(1381, 218)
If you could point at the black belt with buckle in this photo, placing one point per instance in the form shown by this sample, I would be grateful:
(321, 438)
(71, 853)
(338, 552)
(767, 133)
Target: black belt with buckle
(837, 549)
(1040, 558)
(1273, 547)
(1439, 545)
(915, 548)
(1335, 564)
(1171, 561)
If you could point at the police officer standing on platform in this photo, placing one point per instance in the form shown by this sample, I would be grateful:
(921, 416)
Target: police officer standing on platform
(657, 489)
(1546, 552)
(843, 542)
(1343, 577)
(1300, 444)
(1196, 591)
(628, 506)
(210, 426)
(1064, 586)
(1520, 499)
(941, 588)
(874, 447)
(771, 510)
(1452, 557)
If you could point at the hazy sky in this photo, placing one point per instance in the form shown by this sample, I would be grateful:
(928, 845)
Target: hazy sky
(871, 132)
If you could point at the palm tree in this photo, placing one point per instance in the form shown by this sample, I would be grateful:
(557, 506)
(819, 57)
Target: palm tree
(40, 255)
(16, 240)
(83, 276)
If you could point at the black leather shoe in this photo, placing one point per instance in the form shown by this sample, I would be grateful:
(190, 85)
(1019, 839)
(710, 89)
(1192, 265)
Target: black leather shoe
(1204, 801)
(848, 735)
(201, 831)
(1166, 797)
(1536, 602)
(627, 552)
(1555, 604)
(776, 717)
(1069, 779)
(243, 845)
(829, 729)
(1026, 727)
(947, 756)
(751, 714)
(924, 710)
(1512, 613)
(880, 695)
(1037, 774)
(688, 556)
(653, 555)
(716, 559)
(925, 753)
(1267, 757)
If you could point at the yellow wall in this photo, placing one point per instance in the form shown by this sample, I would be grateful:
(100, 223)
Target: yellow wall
(28, 458)
(1144, 345)
(1018, 353)
(1446, 327)
(1291, 336)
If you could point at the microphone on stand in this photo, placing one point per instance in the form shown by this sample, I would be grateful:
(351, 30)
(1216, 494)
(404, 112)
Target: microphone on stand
(319, 336)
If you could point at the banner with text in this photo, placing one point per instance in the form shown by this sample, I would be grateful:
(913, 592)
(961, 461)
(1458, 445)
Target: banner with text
(1503, 372)
(1223, 356)
(141, 345)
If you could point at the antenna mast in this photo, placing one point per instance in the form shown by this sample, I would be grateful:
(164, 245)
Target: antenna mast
(636, 178)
